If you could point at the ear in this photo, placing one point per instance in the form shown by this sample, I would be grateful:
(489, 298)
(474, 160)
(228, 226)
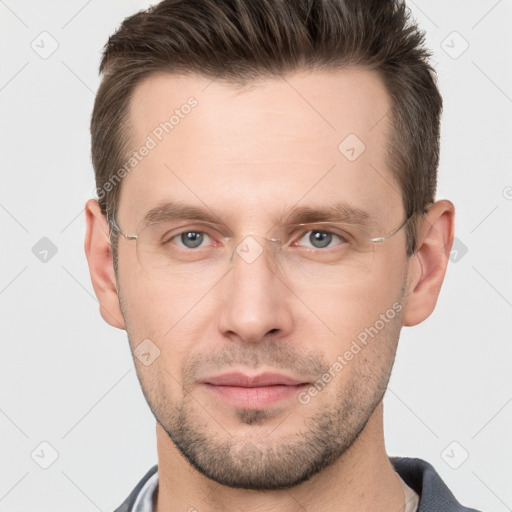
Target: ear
(101, 267)
(427, 266)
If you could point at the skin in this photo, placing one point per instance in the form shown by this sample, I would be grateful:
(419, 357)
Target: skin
(248, 154)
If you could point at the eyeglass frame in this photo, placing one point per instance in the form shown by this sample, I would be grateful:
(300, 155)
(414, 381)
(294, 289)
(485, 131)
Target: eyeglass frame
(115, 227)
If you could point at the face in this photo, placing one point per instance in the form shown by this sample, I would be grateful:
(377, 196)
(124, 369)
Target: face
(267, 368)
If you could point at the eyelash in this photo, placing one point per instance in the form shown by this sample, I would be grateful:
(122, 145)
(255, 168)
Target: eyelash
(168, 238)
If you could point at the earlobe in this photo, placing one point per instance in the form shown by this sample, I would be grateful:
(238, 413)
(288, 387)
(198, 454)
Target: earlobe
(427, 267)
(101, 268)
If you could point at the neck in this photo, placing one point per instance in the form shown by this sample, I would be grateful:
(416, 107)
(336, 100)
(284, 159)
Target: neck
(362, 479)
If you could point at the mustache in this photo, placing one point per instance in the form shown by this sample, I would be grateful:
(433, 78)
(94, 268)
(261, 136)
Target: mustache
(276, 355)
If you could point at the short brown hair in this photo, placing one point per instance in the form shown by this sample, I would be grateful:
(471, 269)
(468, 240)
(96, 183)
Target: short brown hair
(241, 40)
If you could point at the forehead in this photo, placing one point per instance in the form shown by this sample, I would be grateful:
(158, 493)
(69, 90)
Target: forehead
(317, 134)
(304, 103)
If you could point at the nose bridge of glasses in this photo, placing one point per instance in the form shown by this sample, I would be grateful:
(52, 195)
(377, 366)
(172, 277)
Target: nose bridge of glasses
(250, 247)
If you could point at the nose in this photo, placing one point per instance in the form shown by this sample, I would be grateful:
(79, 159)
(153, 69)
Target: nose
(255, 302)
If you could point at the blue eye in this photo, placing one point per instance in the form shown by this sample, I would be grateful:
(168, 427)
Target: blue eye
(319, 239)
(191, 239)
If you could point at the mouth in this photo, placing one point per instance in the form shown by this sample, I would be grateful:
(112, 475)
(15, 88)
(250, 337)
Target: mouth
(253, 391)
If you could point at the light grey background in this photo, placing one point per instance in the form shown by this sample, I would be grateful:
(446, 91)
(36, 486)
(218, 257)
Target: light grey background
(67, 378)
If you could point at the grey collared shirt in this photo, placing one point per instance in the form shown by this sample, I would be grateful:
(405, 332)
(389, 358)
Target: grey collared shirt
(423, 489)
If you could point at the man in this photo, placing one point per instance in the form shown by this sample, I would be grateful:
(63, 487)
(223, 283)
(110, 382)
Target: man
(265, 225)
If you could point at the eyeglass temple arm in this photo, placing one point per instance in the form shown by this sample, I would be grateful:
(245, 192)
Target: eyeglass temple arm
(114, 227)
(383, 238)
(424, 211)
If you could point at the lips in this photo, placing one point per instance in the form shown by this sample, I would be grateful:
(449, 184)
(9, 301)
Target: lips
(253, 391)
(247, 381)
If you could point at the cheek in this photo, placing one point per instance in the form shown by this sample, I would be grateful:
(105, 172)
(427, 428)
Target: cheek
(175, 320)
(344, 312)
(154, 307)
(180, 319)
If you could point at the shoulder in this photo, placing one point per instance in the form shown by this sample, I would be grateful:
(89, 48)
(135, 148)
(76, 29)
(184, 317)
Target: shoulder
(128, 503)
(424, 479)
(416, 473)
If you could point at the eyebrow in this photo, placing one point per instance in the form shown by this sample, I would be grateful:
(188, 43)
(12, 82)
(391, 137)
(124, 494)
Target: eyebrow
(338, 212)
(179, 211)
